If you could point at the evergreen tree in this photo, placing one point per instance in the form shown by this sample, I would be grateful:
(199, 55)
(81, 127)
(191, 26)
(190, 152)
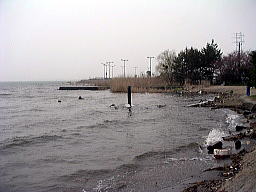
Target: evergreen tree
(211, 55)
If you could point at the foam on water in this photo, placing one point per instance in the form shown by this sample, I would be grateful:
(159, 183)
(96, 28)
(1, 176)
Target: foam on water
(172, 159)
(214, 136)
(232, 120)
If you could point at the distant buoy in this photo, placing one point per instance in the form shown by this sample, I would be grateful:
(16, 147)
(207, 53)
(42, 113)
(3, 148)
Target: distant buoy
(113, 106)
(80, 97)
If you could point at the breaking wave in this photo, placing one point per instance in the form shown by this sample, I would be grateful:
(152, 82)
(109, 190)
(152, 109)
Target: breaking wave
(214, 136)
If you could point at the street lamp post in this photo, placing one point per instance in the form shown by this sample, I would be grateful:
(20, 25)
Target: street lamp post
(109, 68)
(135, 69)
(112, 70)
(105, 73)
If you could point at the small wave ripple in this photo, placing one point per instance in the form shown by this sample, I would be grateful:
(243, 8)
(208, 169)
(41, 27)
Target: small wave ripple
(23, 141)
(5, 94)
(190, 146)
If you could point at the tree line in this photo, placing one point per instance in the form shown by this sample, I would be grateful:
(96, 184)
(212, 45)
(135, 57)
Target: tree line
(193, 65)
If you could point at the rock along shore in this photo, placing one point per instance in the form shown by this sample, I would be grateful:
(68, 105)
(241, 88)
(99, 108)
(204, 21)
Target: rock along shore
(240, 176)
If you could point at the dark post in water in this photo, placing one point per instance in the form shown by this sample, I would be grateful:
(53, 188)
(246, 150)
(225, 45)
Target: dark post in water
(130, 95)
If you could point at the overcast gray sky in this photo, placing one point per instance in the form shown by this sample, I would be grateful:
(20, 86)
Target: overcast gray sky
(68, 39)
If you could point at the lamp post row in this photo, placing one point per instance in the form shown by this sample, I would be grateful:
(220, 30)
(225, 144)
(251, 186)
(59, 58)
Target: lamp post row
(108, 66)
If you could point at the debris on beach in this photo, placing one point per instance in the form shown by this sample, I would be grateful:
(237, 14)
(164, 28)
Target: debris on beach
(222, 153)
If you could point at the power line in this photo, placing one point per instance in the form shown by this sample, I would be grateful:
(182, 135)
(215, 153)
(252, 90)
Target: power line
(239, 40)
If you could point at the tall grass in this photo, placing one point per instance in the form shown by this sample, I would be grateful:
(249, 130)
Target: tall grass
(139, 84)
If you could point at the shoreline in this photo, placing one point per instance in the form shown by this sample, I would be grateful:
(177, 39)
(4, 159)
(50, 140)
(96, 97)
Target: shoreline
(240, 174)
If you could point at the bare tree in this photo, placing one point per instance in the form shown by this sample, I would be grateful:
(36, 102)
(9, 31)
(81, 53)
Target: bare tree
(166, 62)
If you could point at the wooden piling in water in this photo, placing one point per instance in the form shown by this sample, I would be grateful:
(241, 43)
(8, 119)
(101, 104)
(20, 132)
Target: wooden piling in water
(130, 95)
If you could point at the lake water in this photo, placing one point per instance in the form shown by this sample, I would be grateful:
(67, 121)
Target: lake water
(85, 145)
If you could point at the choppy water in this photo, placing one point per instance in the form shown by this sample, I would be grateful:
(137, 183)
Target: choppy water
(85, 145)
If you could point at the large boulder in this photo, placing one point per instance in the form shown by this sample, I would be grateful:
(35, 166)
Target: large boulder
(240, 128)
(238, 144)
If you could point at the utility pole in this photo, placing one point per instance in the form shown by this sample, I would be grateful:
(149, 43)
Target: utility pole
(135, 68)
(109, 68)
(112, 70)
(150, 65)
(104, 65)
(124, 60)
(239, 40)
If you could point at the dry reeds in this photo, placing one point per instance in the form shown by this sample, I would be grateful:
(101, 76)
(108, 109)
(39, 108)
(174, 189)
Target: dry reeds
(141, 84)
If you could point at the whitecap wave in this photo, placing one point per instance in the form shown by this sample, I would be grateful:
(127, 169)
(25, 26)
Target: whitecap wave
(171, 159)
